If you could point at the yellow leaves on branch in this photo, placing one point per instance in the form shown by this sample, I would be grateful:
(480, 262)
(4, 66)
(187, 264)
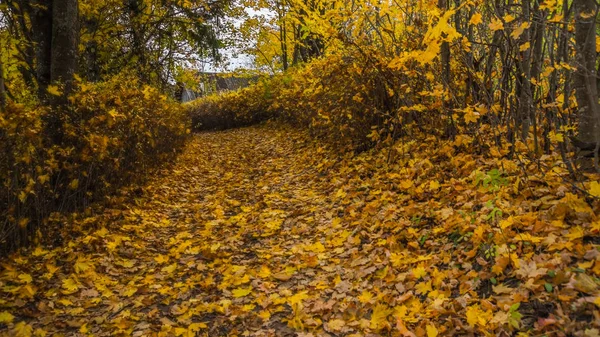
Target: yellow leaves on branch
(516, 33)
(496, 24)
(54, 90)
(476, 19)
(436, 34)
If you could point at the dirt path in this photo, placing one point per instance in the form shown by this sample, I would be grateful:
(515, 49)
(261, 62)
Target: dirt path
(260, 232)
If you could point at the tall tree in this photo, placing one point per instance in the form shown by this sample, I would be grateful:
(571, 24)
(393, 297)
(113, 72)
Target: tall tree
(55, 36)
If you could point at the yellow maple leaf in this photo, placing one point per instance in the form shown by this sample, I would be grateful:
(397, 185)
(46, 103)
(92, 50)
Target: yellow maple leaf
(53, 90)
(27, 291)
(82, 266)
(524, 46)
(264, 271)
(316, 247)
(423, 288)
(65, 302)
(471, 116)
(74, 184)
(419, 272)
(519, 30)
(365, 297)
(556, 137)
(297, 298)
(70, 286)
(336, 324)
(180, 331)
(129, 291)
(6, 317)
(170, 268)
(194, 327)
(406, 183)
(160, 259)
(248, 307)
(496, 24)
(25, 278)
(475, 316)
(379, 316)
(595, 189)
(22, 329)
(476, 19)
(241, 292)
(265, 315)
(432, 331)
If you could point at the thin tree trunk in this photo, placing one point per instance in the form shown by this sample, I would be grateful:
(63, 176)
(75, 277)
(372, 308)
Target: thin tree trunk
(65, 42)
(138, 46)
(90, 57)
(445, 60)
(525, 97)
(41, 26)
(282, 36)
(2, 89)
(586, 91)
(539, 19)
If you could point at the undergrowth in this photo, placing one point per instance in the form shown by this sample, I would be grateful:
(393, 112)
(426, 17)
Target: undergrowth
(112, 134)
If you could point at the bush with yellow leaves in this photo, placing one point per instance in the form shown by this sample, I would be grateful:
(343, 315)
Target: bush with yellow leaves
(110, 135)
(342, 98)
(232, 108)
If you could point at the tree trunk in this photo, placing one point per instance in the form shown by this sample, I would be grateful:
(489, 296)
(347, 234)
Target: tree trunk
(446, 79)
(41, 26)
(2, 89)
(282, 35)
(21, 10)
(138, 45)
(537, 38)
(90, 56)
(525, 98)
(65, 43)
(586, 91)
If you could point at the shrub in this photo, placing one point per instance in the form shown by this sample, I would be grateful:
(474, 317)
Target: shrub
(111, 134)
(232, 108)
(330, 96)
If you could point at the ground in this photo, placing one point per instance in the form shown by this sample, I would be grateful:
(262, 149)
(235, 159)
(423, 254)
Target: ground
(262, 231)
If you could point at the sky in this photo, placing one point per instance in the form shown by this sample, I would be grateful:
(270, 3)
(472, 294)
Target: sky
(235, 59)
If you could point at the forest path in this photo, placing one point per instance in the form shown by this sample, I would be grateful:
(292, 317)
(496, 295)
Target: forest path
(260, 231)
(209, 246)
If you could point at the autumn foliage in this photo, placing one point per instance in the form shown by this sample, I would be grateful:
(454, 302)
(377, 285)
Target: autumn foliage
(232, 109)
(420, 168)
(113, 133)
(266, 231)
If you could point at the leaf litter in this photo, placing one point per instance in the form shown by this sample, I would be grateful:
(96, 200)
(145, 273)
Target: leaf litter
(262, 231)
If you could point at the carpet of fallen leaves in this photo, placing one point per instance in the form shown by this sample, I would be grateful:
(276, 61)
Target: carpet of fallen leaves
(262, 232)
